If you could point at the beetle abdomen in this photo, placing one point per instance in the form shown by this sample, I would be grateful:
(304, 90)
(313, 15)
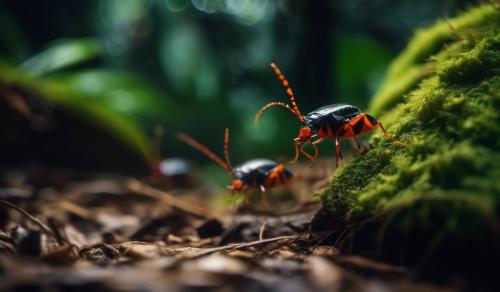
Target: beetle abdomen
(253, 164)
(327, 120)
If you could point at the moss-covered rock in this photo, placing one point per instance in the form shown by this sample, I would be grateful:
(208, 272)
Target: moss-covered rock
(442, 97)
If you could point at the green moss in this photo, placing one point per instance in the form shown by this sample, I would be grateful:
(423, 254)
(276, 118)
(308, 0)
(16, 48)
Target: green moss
(415, 63)
(450, 119)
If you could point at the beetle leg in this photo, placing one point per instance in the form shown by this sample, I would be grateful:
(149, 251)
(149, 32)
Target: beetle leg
(316, 152)
(316, 147)
(389, 135)
(296, 143)
(309, 156)
(263, 197)
(152, 179)
(338, 153)
(300, 148)
(354, 140)
(357, 146)
(246, 200)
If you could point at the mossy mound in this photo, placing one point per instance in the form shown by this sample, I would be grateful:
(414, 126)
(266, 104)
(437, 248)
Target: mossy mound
(442, 97)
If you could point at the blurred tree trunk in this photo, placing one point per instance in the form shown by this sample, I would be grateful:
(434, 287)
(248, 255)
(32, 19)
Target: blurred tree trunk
(315, 51)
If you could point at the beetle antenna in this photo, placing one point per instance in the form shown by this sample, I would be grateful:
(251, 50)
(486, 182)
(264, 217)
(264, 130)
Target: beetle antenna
(226, 151)
(275, 103)
(203, 149)
(289, 90)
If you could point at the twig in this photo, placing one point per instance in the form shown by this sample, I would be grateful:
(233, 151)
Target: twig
(235, 246)
(35, 220)
(166, 198)
(261, 231)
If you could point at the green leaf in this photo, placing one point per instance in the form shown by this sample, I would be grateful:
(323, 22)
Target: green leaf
(121, 91)
(61, 54)
(95, 111)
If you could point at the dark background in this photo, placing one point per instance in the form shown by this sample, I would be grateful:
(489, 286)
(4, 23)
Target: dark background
(201, 65)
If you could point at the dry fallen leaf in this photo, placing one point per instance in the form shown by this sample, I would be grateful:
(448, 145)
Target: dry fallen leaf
(217, 263)
(324, 274)
(63, 256)
(323, 250)
(140, 250)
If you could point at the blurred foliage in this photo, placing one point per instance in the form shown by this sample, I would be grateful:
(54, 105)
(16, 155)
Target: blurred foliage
(61, 54)
(108, 99)
(361, 63)
(201, 66)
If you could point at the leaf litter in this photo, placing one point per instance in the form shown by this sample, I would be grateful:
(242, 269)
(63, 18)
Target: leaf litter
(110, 232)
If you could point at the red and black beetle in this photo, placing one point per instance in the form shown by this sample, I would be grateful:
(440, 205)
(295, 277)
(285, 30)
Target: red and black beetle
(259, 174)
(336, 121)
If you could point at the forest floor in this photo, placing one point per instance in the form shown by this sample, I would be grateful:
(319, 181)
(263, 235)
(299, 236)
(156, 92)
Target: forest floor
(63, 231)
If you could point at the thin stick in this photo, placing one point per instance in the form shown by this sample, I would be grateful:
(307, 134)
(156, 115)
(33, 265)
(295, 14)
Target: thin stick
(166, 198)
(32, 218)
(261, 231)
(235, 246)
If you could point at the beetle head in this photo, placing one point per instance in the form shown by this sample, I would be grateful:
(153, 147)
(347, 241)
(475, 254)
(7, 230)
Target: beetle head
(236, 185)
(305, 133)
